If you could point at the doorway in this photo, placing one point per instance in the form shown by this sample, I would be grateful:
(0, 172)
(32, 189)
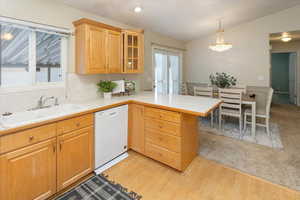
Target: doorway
(167, 71)
(284, 77)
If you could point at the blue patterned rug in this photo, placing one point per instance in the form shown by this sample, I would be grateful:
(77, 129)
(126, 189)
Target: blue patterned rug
(99, 188)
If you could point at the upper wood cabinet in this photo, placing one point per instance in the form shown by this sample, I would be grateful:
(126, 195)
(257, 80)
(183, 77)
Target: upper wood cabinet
(102, 49)
(133, 51)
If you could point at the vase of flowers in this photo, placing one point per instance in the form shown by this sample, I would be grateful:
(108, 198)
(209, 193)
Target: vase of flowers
(222, 80)
(106, 87)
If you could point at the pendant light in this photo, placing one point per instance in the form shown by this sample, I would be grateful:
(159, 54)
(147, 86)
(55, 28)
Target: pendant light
(220, 44)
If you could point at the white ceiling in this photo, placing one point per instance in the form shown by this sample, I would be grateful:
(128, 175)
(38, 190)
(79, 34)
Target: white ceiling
(183, 19)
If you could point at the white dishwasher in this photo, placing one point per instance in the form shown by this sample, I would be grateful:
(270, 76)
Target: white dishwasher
(111, 131)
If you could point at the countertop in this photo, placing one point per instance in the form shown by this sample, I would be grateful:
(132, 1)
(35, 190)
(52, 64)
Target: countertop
(198, 106)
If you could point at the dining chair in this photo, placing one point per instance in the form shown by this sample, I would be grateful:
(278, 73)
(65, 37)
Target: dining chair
(231, 105)
(262, 111)
(205, 92)
(183, 89)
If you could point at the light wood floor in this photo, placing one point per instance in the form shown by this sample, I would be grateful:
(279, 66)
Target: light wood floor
(202, 180)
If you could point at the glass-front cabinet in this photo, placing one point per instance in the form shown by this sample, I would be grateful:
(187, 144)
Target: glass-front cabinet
(133, 51)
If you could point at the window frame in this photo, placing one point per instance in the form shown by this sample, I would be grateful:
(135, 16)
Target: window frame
(33, 27)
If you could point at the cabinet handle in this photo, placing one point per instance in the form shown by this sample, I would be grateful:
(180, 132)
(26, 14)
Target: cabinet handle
(31, 138)
(54, 147)
(60, 145)
(78, 124)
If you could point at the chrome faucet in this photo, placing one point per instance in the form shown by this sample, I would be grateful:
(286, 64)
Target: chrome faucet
(41, 102)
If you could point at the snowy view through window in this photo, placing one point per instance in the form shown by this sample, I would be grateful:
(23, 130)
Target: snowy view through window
(19, 66)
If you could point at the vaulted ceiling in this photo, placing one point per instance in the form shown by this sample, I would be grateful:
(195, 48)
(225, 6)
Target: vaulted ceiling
(183, 19)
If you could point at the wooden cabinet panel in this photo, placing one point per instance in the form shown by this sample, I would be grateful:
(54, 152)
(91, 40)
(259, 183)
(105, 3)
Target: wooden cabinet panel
(133, 51)
(97, 50)
(75, 156)
(114, 42)
(162, 114)
(75, 123)
(170, 142)
(163, 155)
(163, 126)
(101, 48)
(28, 137)
(29, 173)
(136, 136)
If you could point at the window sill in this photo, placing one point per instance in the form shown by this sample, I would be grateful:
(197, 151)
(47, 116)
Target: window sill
(8, 90)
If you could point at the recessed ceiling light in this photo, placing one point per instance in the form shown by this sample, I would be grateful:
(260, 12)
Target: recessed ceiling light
(138, 9)
(286, 37)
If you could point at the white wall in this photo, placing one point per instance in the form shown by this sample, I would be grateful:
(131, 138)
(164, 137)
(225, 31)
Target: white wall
(54, 13)
(249, 59)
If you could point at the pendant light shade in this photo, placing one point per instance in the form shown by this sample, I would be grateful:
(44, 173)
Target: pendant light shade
(220, 44)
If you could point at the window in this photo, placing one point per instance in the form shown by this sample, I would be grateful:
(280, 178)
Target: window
(30, 56)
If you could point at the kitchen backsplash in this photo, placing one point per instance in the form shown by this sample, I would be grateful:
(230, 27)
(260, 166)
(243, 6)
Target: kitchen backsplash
(79, 88)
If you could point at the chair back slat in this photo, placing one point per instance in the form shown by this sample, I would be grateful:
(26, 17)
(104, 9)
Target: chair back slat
(203, 91)
(232, 99)
(229, 105)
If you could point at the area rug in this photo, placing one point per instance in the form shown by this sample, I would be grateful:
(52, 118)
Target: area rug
(231, 129)
(99, 188)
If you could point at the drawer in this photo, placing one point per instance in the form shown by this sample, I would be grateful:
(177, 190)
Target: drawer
(163, 126)
(162, 114)
(75, 123)
(163, 155)
(28, 137)
(170, 142)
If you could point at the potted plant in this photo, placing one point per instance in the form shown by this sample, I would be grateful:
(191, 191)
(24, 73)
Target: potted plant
(222, 80)
(106, 87)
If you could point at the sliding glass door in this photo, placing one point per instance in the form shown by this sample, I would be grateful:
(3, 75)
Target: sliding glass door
(167, 71)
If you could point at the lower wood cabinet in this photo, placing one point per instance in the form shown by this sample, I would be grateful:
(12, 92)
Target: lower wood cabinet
(75, 156)
(36, 163)
(166, 136)
(29, 173)
(136, 137)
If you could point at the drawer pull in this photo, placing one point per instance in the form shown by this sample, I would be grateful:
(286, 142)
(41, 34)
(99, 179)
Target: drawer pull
(78, 124)
(60, 145)
(54, 148)
(31, 138)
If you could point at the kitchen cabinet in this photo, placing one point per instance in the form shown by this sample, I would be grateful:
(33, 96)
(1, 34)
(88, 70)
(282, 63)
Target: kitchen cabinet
(75, 156)
(166, 136)
(133, 51)
(29, 172)
(104, 49)
(115, 53)
(136, 135)
(98, 48)
(39, 162)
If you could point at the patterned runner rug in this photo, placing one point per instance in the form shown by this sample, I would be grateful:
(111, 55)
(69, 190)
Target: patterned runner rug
(99, 188)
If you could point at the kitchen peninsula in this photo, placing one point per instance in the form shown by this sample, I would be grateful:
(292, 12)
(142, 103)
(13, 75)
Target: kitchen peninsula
(162, 127)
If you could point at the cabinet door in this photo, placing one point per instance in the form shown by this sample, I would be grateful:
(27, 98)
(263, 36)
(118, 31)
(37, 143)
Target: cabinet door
(75, 156)
(136, 135)
(114, 46)
(133, 52)
(29, 173)
(97, 52)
